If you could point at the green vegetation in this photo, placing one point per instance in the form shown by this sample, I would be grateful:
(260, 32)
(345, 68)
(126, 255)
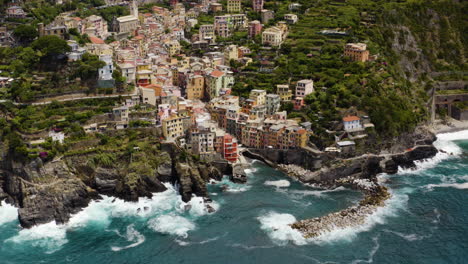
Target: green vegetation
(451, 92)
(21, 122)
(381, 88)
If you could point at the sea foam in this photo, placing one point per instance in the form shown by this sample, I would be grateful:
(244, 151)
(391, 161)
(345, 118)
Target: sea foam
(8, 213)
(278, 184)
(277, 227)
(447, 149)
(164, 212)
(171, 224)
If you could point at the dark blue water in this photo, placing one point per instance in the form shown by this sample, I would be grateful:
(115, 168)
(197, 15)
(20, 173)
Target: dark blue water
(425, 221)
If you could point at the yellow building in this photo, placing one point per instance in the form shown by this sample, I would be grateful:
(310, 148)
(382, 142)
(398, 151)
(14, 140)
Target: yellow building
(173, 47)
(143, 74)
(174, 126)
(195, 87)
(283, 91)
(234, 6)
(259, 96)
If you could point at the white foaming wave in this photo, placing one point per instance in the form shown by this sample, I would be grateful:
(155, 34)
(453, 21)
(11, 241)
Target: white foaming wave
(460, 135)
(8, 213)
(447, 149)
(250, 171)
(277, 226)
(172, 224)
(52, 236)
(49, 236)
(132, 235)
(278, 184)
(460, 186)
(233, 187)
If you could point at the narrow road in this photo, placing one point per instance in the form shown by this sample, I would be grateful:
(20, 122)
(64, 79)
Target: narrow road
(50, 100)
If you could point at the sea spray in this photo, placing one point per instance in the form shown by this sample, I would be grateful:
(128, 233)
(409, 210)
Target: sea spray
(51, 237)
(278, 184)
(278, 228)
(8, 213)
(172, 224)
(164, 212)
(447, 149)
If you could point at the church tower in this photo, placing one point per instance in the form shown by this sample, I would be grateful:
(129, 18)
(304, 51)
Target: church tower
(134, 9)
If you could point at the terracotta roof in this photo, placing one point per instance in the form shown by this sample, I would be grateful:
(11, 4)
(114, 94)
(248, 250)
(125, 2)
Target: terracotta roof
(76, 18)
(96, 40)
(350, 118)
(301, 131)
(217, 73)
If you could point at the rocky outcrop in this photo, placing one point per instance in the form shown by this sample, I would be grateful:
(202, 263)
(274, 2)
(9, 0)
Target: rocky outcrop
(190, 181)
(55, 190)
(300, 157)
(358, 173)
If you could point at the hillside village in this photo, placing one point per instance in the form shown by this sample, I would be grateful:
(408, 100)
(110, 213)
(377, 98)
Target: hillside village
(179, 62)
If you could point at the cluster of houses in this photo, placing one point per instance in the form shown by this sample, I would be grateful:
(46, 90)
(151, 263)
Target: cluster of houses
(148, 49)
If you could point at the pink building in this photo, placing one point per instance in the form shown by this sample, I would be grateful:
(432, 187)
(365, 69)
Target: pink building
(298, 103)
(164, 111)
(257, 5)
(255, 28)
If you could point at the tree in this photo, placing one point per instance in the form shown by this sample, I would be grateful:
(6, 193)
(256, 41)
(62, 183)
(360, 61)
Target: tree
(50, 46)
(88, 68)
(25, 33)
(119, 79)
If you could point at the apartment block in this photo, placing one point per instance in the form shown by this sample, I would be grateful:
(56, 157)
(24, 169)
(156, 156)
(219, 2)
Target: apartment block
(255, 28)
(273, 103)
(259, 96)
(304, 87)
(356, 52)
(234, 6)
(283, 91)
(257, 5)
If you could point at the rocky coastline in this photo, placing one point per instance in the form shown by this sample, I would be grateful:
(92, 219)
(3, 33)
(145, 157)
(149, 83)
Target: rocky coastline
(358, 173)
(55, 190)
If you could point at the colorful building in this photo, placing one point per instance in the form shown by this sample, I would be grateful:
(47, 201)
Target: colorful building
(283, 91)
(356, 52)
(255, 28)
(234, 6)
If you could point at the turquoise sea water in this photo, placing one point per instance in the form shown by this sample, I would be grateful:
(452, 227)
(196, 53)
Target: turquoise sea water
(425, 221)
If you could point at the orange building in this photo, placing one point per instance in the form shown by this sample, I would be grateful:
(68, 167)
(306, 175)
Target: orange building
(356, 52)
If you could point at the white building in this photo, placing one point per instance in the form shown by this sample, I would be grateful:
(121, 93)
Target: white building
(273, 103)
(291, 18)
(352, 124)
(57, 136)
(105, 73)
(304, 87)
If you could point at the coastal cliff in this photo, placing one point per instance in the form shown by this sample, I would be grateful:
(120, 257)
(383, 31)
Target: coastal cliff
(54, 190)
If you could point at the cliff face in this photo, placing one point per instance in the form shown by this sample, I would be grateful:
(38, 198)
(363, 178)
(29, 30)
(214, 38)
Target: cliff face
(58, 189)
(427, 37)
